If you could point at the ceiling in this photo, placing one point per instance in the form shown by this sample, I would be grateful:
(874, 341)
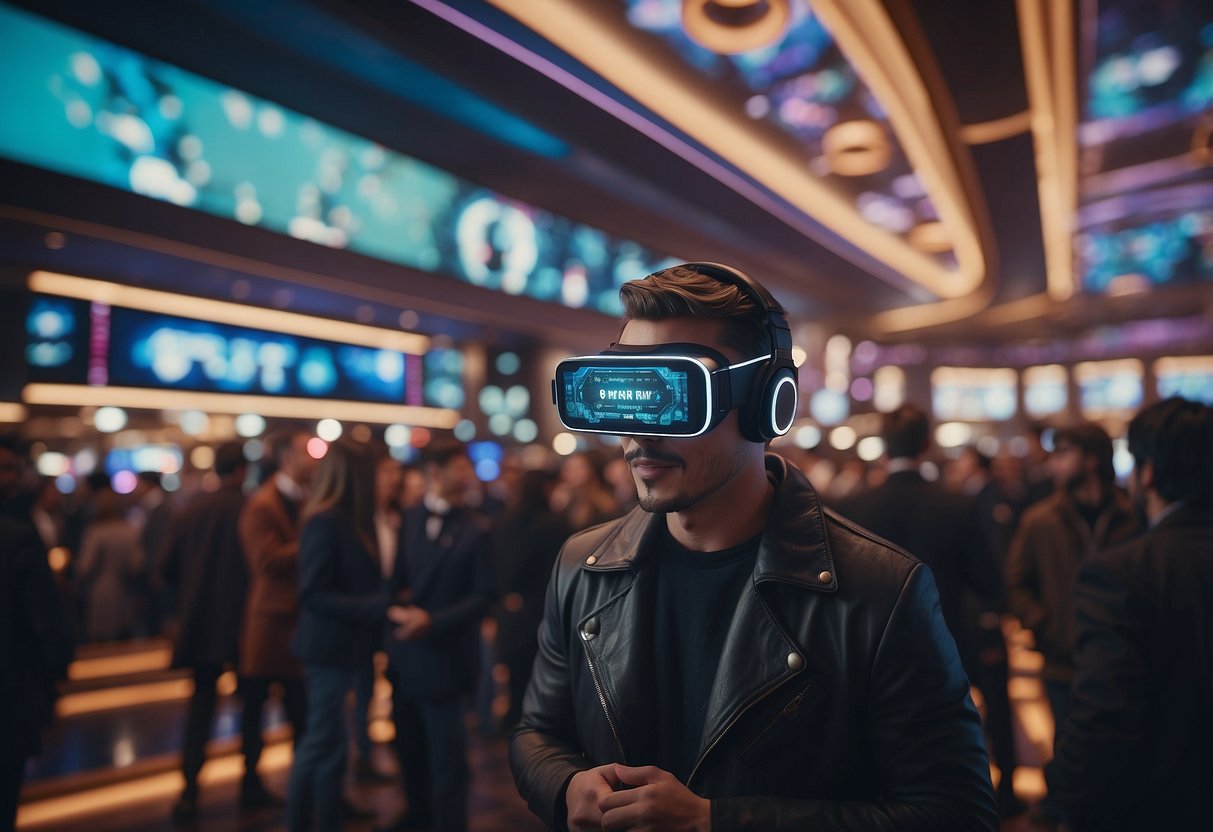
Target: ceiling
(981, 100)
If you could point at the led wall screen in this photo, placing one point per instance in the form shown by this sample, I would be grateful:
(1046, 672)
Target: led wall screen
(88, 108)
(78, 342)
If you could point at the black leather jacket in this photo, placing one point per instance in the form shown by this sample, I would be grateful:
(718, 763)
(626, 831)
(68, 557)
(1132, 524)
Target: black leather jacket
(839, 702)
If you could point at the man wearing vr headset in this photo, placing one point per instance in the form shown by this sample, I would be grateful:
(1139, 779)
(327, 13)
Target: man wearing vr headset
(729, 655)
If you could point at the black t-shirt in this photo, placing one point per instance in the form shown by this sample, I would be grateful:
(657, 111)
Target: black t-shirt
(696, 595)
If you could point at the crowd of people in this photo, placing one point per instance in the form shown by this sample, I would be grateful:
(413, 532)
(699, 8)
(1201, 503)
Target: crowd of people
(298, 582)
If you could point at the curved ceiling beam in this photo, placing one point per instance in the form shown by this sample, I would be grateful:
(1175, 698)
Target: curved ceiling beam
(586, 30)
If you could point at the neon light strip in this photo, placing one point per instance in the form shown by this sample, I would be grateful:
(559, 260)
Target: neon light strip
(287, 407)
(235, 314)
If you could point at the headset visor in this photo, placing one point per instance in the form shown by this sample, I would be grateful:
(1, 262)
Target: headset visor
(652, 393)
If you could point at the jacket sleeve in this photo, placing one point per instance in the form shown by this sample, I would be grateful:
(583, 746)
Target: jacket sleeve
(323, 541)
(544, 753)
(1096, 771)
(926, 740)
(472, 606)
(1023, 578)
(267, 550)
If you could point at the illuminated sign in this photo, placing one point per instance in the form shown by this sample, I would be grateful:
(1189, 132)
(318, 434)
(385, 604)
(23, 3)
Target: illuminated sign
(72, 341)
(82, 106)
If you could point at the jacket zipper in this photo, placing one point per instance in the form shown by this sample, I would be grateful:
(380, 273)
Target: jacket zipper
(606, 709)
(737, 716)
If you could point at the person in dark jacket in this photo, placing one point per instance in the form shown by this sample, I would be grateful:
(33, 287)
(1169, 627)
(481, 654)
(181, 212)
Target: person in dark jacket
(526, 540)
(204, 566)
(36, 641)
(730, 655)
(943, 529)
(444, 566)
(1137, 749)
(342, 606)
(1085, 513)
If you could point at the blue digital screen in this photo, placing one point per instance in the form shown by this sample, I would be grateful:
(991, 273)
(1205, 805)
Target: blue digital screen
(1110, 393)
(612, 396)
(57, 339)
(82, 106)
(75, 342)
(150, 350)
(1194, 385)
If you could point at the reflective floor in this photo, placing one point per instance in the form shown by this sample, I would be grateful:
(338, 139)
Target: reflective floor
(111, 760)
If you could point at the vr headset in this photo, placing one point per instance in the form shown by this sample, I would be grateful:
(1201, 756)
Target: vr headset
(682, 390)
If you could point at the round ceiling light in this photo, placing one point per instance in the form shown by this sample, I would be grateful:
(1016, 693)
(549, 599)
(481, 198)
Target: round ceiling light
(729, 27)
(856, 148)
(931, 237)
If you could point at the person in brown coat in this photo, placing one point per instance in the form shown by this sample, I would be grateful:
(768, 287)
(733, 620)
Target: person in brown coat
(269, 535)
(1085, 514)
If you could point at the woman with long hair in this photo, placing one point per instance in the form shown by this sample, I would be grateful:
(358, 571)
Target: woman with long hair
(343, 604)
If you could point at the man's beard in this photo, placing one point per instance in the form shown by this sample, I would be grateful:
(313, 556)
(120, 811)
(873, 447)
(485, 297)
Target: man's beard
(720, 474)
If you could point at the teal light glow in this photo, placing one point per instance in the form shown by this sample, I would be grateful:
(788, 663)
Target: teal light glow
(85, 107)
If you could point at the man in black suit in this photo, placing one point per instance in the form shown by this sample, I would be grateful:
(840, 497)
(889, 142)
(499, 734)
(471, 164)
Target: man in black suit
(942, 528)
(1137, 749)
(204, 565)
(444, 570)
(35, 636)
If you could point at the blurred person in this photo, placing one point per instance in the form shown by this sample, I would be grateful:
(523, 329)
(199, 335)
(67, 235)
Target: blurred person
(1038, 478)
(47, 513)
(108, 571)
(389, 484)
(269, 538)
(526, 540)
(35, 648)
(342, 605)
(204, 565)
(1136, 751)
(623, 487)
(1084, 514)
(731, 655)
(16, 497)
(850, 478)
(152, 514)
(412, 488)
(80, 508)
(943, 529)
(582, 494)
(997, 509)
(444, 567)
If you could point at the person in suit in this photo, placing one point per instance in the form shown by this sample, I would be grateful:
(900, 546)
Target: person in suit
(1136, 751)
(1085, 514)
(204, 565)
(269, 536)
(943, 529)
(444, 566)
(342, 604)
(35, 648)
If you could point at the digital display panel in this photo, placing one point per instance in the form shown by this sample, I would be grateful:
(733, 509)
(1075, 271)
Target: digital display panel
(78, 342)
(1045, 390)
(973, 393)
(85, 107)
(1109, 387)
(662, 396)
(1189, 377)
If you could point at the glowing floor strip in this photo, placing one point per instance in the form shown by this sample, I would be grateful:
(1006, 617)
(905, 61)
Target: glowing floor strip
(224, 769)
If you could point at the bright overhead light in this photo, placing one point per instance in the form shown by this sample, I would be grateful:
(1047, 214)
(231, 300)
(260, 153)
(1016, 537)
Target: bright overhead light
(856, 148)
(729, 27)
(109, 419)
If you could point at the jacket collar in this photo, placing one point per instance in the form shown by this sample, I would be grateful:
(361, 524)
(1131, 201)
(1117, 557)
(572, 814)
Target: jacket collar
(794, 547)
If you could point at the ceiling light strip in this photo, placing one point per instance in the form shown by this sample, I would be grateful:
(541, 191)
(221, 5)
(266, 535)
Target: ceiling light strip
(988, 132)
(235, 314)
(1046, 34)
(868, 37)
(286, 407)
(795, 218)
(584, 31)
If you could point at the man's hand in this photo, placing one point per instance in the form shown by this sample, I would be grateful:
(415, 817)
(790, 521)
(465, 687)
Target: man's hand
(657, 802)
(586, 790)
(411, 622)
